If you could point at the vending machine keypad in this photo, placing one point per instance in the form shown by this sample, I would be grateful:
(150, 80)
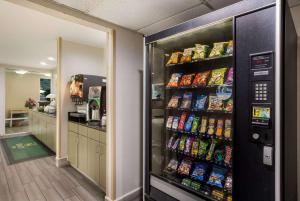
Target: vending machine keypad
(261, 92)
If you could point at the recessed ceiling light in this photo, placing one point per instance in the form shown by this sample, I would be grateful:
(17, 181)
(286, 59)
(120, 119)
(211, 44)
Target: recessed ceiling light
(51, 58)
(43, 63)
(21, 72)
(47, 74)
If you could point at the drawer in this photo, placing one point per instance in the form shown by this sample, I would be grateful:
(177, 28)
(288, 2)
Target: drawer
(94, 134)
(102, 137)
(73, 127)
(83, 130)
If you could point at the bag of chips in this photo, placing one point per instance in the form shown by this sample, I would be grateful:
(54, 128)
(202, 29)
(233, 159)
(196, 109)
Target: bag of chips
(217, 77)
(219, 156)
(201, 79)
(219, 130)
(182, 143)
(227, 131)
(200, 102)
(203, 148)
(187, 100)
(229, 106)
(170, 143)
(182, 121)
(229, 50)
(187, 55)
(218, 195)
(175, 123)
(175, 58)
(175, 144)
(195, 147)
(228, 155)
(200, 171)
(195, 124)
(188, 145)
(211, 126)
(218, 49)
(185, 167)
(172, 166)
(186, 80)
(174, 101)
(203, 126)
(228, 183)
(195, 185)
(215, 103)
(229, 79)
(217, 177)
(174, 80)
(186, 182)
(200, 52)
(169, 122)
(188, 123)
(211, 150)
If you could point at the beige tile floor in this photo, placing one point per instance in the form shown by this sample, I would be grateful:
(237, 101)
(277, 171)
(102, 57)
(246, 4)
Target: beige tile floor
(40, 180)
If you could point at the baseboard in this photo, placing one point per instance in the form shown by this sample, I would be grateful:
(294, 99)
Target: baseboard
(61, 162)
(136, 194)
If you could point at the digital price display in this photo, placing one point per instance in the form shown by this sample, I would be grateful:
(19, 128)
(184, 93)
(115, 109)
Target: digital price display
(261, 115)
(262, 61)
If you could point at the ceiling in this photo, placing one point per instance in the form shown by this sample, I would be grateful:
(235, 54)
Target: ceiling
(28, 37)
(146, 16)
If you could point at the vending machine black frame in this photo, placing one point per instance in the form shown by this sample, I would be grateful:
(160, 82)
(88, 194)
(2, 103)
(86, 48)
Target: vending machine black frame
(284, 51)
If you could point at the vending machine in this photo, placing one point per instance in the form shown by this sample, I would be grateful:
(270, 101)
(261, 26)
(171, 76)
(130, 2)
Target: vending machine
(220, 118)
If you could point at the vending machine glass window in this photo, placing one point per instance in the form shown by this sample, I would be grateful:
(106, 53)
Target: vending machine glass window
(192, 97)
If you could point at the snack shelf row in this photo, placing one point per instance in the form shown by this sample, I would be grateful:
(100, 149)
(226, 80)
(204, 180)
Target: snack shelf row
(207, 87)
(201, 60)
(199, 111)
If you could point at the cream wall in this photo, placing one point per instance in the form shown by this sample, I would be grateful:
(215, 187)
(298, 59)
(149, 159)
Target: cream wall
(19, 88)
(2, 101)
(76, 59)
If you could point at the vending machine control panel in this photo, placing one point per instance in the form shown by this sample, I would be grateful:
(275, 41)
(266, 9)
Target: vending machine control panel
(261, 106)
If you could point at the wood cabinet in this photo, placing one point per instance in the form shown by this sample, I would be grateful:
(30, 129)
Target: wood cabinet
(43, 127)
(89, 154)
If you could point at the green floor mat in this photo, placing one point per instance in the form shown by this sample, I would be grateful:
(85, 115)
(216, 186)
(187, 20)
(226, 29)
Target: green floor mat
(22, 148)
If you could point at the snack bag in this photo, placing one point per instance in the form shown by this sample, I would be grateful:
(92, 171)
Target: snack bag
(175, 58)
(175, 77)
(229, 50)
(188, 145)
(203, 126)
(203, 146)
(182, 121)
(228, 183)
(211, 150)
(195, 147)
(175, 144)
(219, 155)
(217, 194)
(186, 182)
(200, 102)
(175, 123)
(227, 131)
(211, 126)
(218, 49)
(228, 155)
(229, 198)
(229, 79)
(201, 79)
(170, 143)
(217, 177)
(217, 77)
(169, 122)
(219, 130)
(185, 167)
(172, 166)
(174, 101)
(200, 171)
(195, 185)
(215, 103)
(200, 51)
(188, 123)
(195, 124)
(186, 80)
(229, 106)
(182, 144)
(187, 100)
(187, 55)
